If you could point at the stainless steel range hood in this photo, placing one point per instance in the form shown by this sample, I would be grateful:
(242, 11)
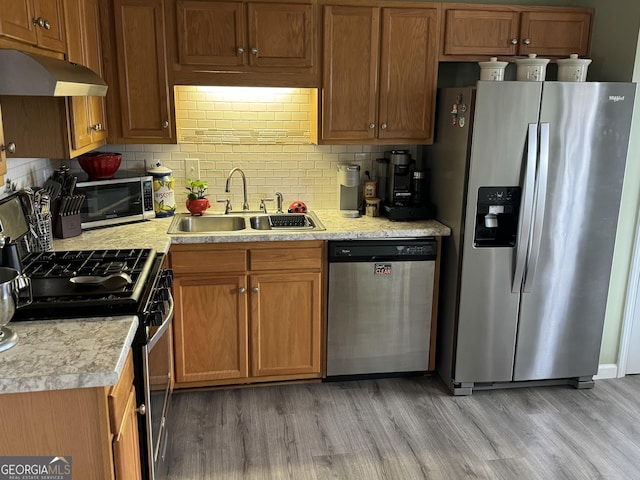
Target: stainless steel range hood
(36, 75)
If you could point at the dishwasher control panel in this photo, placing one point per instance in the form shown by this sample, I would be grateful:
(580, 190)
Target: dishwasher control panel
(424, 249)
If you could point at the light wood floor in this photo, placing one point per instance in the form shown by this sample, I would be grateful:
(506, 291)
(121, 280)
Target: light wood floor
(407, 429)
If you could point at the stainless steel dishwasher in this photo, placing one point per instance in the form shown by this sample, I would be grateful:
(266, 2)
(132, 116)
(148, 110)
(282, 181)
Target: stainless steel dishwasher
(379, 311)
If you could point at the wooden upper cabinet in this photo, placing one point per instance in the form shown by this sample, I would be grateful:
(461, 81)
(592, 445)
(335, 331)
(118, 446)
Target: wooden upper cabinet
(555, 33)
(52, 35)
(16, 20)
(350, 73)
(379, 78)
(144, 97)
(280, 35)
(274, 43)
(477, 31)
(210, 33)
(407, 95)
(87, 114)
(36, 22)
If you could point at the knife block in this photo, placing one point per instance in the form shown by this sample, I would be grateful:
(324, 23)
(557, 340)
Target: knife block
(67, 226)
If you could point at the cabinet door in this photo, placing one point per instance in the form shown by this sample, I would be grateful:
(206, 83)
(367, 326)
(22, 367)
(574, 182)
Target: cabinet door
(83, 46)
(52, 35)
(480, 32)
(16, 20)
(126, 449)
(93, 59)
(555, 33)
(280, 35)
(3, 155)
(350, 73)
(285, 323)
(142, 70)
(408, 74)
(210, 328)
(211, 33)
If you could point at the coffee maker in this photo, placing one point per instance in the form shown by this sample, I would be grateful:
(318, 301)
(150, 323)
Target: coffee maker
(348, 183)
(406, 187)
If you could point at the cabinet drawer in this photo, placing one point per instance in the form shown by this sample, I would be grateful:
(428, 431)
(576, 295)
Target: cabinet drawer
(305, 258)
(202, 261)
(119, 394)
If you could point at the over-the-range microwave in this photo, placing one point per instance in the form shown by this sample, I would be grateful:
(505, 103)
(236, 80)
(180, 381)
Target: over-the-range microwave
(126, 198)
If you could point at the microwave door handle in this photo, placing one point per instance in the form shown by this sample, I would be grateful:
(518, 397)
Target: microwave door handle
(526, 209)
(538, 219)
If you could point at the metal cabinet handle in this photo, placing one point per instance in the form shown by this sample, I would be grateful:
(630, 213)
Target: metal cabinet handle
(255, 290)
(527, 41)
(38, 21)
(47, 25)
(383, 126)
(142, 409)
(240, 50)
(9, 148)
(514, 41)
(372, 126)
(254, 51)
(165, 124)
(242, 290)
(97, 127)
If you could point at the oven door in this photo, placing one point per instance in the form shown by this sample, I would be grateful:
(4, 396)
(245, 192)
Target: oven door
(158, 384)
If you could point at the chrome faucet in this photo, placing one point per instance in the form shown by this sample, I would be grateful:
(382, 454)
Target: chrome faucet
(245, 205)
(279, 202)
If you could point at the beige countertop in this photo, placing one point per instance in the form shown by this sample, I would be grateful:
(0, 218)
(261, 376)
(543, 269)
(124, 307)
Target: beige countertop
(64, 354)
(60, 354)
(153, 234)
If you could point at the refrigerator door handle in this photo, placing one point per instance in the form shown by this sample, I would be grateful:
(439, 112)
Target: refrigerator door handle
(541, 197)
(526, 210)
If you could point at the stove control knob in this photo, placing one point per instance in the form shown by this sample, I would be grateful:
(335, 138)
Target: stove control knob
(166, 278)
(162, 295)
(159, 307)
(154, 319)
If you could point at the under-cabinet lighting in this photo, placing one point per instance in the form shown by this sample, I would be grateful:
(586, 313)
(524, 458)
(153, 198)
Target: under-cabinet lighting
(246, 94)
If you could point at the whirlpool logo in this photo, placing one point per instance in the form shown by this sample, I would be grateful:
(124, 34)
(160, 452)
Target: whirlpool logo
(35, 468)
(616, 98)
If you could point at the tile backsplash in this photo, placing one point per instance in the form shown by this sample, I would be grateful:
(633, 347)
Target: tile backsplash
(244, 115)
(300, 172)
(267, 132)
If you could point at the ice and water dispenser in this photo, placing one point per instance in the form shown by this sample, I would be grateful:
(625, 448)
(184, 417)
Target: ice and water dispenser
(497, 211)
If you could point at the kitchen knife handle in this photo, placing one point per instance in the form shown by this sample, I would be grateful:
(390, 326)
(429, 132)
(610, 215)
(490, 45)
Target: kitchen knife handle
(526, 208)
(538, 218)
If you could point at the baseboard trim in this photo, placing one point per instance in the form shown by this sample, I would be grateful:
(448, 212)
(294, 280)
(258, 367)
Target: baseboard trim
(607, 370)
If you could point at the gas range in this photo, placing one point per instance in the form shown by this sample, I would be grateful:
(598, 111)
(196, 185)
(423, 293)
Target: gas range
(54, 296)
(148, 297)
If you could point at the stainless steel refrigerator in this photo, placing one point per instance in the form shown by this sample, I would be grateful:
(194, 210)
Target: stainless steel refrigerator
(528, 175)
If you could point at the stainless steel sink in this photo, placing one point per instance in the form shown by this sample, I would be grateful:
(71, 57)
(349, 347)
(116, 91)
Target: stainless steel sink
(247, 222)
(295, 221)
(192, 224)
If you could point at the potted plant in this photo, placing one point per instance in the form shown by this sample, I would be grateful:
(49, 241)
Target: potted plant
(197, 202)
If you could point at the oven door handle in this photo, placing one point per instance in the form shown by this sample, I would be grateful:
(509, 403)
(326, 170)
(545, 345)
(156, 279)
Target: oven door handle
(163, 328)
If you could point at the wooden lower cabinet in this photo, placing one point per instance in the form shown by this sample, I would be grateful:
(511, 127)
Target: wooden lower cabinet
(210, 328)
(96, 427)
(126, 450)
(261, 322)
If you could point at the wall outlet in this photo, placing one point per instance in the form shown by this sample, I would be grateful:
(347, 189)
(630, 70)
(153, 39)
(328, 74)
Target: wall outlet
(192, 168)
